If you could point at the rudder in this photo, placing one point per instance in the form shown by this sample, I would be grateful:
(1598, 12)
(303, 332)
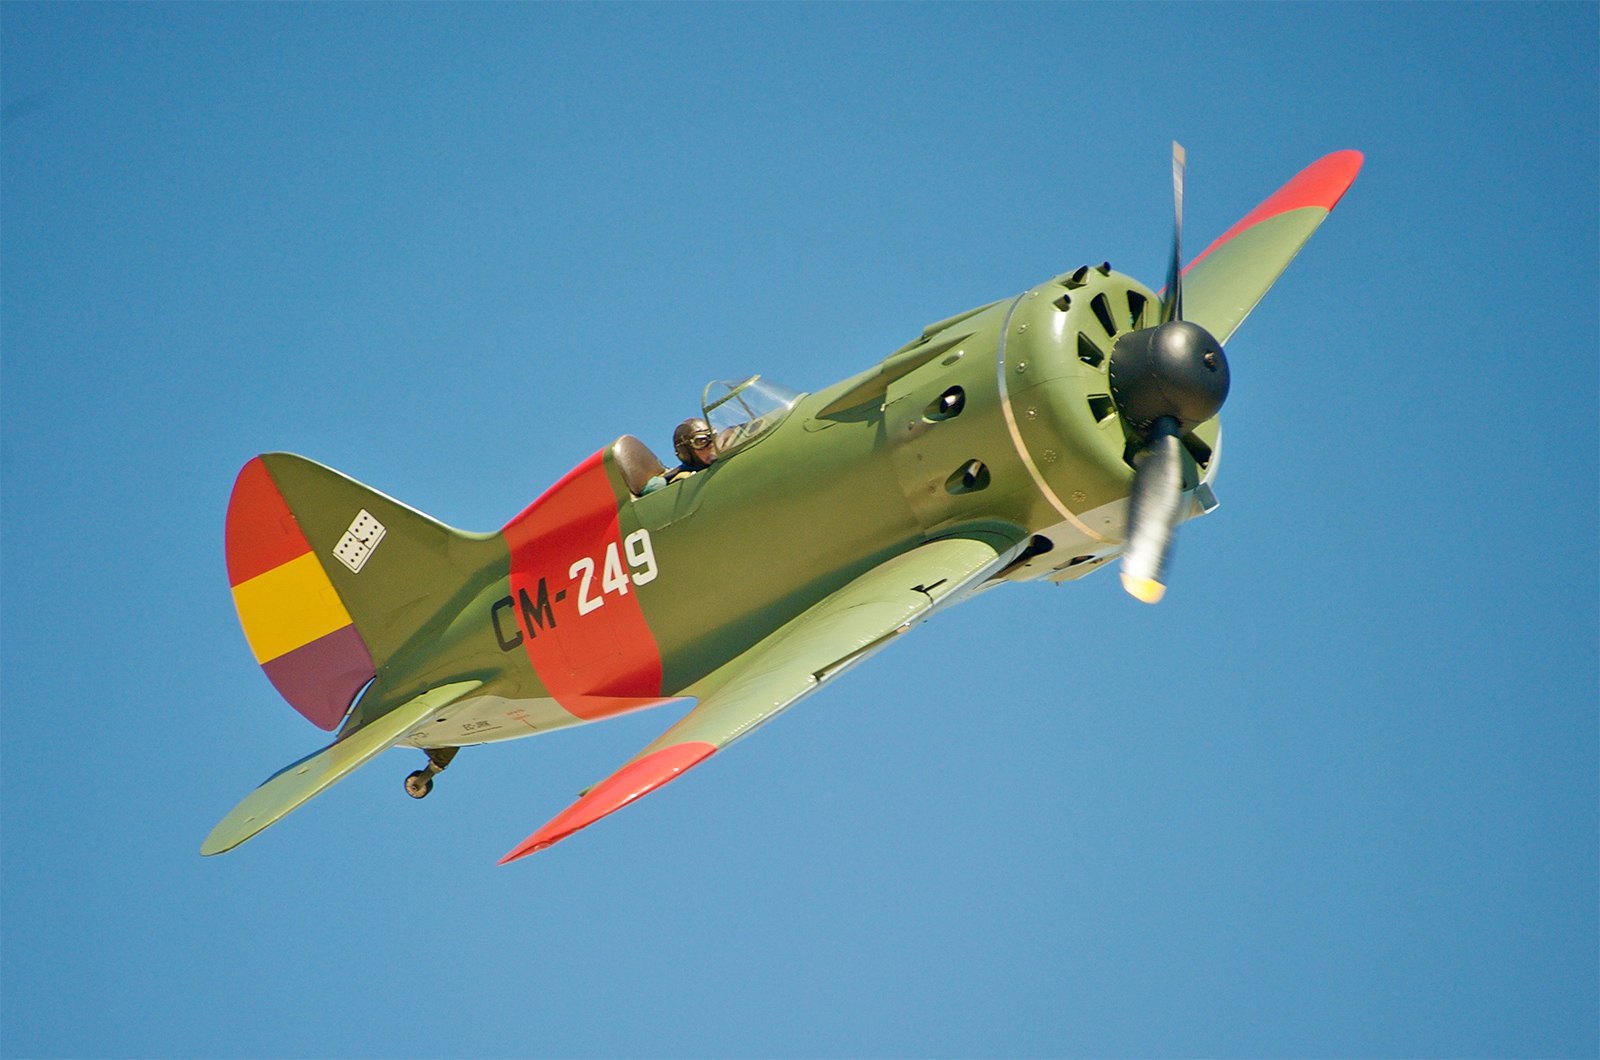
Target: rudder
(330, 578)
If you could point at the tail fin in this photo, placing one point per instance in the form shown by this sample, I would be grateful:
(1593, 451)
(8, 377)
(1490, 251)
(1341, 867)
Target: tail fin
(331, 578)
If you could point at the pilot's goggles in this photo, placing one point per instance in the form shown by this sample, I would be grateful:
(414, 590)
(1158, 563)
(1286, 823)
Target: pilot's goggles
(701, 439)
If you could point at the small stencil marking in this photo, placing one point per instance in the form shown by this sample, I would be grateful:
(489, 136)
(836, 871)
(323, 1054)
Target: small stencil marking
(360, 541)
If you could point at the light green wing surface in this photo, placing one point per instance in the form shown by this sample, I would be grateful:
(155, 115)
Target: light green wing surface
(796, 660)
(1224, 283)
(826, 640)
(296, 784)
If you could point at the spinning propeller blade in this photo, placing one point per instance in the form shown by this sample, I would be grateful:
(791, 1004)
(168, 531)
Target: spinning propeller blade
(1168, 379)
(1153, 512)
(1165, 380)
(1172, 305)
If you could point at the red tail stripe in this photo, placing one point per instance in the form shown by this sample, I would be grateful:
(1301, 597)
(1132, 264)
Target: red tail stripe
(615, 792)
(261, 531)
(1322, 183)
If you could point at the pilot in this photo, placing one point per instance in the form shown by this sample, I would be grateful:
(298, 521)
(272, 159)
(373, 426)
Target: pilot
(695, 444)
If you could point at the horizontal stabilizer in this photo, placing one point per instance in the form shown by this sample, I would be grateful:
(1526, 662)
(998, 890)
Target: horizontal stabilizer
(292, 786)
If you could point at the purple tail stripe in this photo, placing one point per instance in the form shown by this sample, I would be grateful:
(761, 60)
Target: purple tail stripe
(320, 679)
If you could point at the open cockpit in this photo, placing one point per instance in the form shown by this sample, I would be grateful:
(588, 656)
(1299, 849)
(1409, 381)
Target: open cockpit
(736, 413)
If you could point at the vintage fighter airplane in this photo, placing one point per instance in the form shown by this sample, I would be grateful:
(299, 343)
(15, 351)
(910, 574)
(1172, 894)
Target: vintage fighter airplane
(1039, 436)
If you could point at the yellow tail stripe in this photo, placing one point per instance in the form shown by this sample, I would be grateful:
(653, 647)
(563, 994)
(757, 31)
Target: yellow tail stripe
(288, 606)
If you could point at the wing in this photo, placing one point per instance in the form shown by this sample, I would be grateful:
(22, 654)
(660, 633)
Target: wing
(769, 678)
(295, 784)
(1222, 285)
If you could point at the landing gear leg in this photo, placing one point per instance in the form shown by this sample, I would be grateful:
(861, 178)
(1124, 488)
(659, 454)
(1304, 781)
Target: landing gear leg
(418, 784)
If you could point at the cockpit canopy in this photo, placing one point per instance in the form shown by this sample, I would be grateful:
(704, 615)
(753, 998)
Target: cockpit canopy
(740, 411)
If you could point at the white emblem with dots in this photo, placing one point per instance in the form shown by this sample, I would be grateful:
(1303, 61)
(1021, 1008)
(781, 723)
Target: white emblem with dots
(360, 541)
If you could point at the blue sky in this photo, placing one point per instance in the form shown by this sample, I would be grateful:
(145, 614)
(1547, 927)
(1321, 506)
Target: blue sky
(1336, 795)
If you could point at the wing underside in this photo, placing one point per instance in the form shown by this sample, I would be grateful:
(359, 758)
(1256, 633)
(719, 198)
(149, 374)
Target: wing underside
(1225, 282)
(800, 657)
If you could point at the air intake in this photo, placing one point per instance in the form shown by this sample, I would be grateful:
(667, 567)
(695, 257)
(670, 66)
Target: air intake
(1102, 312)
(1088, 352)
(1136, 304)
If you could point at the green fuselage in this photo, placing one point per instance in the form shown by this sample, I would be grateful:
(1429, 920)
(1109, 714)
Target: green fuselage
(852, 476)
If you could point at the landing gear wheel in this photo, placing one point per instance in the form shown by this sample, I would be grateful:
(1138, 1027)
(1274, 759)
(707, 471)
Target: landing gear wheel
(418, 784)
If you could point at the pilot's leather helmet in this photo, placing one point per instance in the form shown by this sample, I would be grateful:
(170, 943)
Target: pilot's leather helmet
(693, 434)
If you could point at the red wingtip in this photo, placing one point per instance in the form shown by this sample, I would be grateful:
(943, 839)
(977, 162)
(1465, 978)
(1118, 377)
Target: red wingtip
(1322, 183)
(615, 792)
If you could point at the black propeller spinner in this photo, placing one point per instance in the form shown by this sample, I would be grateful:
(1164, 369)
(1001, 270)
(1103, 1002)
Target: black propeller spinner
(1166, 380)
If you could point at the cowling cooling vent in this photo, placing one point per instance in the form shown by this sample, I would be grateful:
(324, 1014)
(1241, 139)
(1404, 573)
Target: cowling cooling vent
(1102, 312)
(1088, 352)
(1136, 303)
(1101, 407)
